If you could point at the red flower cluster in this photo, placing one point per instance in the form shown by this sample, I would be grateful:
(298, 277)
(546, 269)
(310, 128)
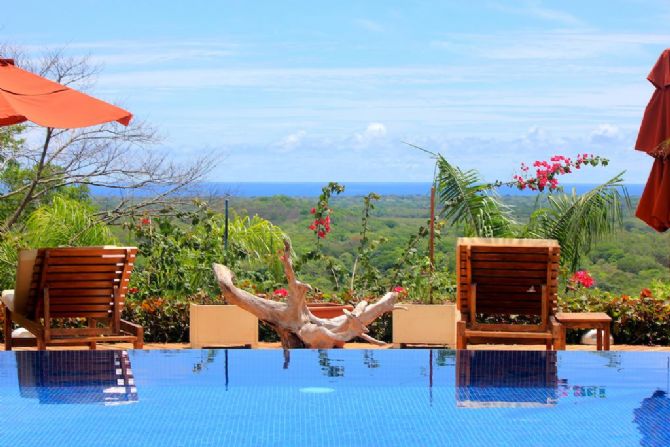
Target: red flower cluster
(151, 305)
(280, 292)
(645, 293)
(546, 172)
(399, 289)
(146, 221)
(133, 290)
(582, 277)
(321, 225)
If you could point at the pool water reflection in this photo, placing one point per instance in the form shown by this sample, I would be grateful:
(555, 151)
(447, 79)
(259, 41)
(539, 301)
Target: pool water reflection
(336, 397)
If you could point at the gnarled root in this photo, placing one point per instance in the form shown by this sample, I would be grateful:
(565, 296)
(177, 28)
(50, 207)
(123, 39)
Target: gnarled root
(293, 321)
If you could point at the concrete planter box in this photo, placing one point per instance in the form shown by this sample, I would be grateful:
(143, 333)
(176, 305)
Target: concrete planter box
(222, 325)
(425, 324)
(328, 310)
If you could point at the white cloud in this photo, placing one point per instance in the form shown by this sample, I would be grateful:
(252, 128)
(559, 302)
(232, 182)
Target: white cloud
(375, 130)
(291, 141)
(535, 9)
(117, 54)
(369, 25)
(550, 45)
(605, 133)
(373, 133)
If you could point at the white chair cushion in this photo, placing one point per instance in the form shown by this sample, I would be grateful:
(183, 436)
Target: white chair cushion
(21, 333)
(8, 299)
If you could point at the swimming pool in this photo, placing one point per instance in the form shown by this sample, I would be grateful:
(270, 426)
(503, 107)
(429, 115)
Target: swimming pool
(334, 397)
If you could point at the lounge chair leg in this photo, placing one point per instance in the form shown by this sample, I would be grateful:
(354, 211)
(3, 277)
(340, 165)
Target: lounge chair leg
(461, 340)
(139, 341)
(41, 344)
(549, 344)
(8, 329)
(92, 345)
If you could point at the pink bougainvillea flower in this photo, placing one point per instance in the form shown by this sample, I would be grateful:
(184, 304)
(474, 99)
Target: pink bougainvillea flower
(280, 292)
(546, 172)
(583, 278)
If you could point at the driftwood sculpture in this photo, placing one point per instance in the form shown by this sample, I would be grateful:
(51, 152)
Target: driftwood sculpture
(292, 320)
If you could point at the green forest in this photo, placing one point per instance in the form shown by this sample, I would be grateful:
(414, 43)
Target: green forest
(624, 262)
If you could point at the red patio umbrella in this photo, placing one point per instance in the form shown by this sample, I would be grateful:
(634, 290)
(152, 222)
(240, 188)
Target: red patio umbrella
(25, 96)
(653, 138)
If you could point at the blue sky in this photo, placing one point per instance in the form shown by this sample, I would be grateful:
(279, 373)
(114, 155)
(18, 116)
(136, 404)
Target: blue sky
(319, 91)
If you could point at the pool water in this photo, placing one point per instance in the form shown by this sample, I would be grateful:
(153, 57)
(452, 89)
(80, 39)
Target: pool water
(334, 398)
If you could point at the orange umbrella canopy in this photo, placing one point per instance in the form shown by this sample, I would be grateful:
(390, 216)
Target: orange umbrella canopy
(653, 138)
(25, 96)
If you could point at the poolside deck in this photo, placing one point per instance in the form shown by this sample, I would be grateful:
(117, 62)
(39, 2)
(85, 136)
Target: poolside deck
(265, 345)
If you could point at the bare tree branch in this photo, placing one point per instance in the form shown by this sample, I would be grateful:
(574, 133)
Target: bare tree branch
(108, 156)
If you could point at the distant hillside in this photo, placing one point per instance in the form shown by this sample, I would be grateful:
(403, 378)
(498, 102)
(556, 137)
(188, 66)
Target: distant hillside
(623, 264)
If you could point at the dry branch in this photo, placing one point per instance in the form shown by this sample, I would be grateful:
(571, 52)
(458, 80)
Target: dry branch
(293, 321)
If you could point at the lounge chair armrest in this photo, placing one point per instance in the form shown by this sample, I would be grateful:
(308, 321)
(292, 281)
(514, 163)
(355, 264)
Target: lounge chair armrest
(132, 328)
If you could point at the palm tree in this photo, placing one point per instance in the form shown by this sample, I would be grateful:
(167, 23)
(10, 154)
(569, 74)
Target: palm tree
(575, 221)
(467, 200)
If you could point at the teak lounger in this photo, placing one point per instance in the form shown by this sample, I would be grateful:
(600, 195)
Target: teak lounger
(58, 283)
(503, 279)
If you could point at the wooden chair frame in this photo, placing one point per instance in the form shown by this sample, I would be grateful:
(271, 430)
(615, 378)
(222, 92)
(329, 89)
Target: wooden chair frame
(105, 312)
(469, 330)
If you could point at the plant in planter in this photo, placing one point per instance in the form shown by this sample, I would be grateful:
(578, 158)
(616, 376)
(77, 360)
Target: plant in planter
(428, 319)
(321, 226)
(175, 253)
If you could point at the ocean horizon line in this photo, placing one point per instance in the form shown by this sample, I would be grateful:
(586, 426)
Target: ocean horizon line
(313, 189)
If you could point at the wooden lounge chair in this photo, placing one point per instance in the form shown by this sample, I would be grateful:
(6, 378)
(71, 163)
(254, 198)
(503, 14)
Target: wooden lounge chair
(490, 379)
(501, 281)
(76, 377)
(58, 283)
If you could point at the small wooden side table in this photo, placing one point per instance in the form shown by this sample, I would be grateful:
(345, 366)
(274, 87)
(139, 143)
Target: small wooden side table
(599, 321)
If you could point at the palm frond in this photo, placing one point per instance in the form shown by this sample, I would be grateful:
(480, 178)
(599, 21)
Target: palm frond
(579, 221)
(469, 201)
(66, 222)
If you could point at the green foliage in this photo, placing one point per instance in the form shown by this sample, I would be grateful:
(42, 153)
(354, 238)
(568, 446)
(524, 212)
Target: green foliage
(165, 320)
(370, 276)
(470, 202)
(66, 222)
(15, 180)
(577, 222)
(63, 222)
(177, 253)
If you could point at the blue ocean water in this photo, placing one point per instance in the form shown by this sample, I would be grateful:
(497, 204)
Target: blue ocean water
(313, 189)
(334, 398)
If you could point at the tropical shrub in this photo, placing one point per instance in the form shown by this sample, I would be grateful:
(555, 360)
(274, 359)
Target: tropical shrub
(176, 253)
(644, 319)
(64, 222)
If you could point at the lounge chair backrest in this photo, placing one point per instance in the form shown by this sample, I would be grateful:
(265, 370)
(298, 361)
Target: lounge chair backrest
(84, 282)
(24, 276)
(508, 276)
